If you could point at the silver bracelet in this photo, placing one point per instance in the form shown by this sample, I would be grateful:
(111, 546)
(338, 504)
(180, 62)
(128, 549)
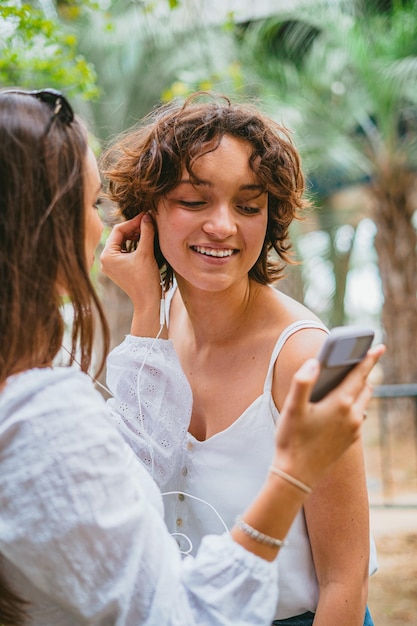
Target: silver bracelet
(290, 479)
(258, 536)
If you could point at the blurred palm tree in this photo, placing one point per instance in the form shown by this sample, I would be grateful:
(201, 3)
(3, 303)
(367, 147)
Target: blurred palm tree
(348, 74)
(145, 52)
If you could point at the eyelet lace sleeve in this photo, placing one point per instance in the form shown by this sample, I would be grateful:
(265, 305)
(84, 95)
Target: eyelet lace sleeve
(81, 527)
(151, 403)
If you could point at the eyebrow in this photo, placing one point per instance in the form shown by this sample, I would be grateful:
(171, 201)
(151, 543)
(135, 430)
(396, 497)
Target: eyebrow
(206, 183)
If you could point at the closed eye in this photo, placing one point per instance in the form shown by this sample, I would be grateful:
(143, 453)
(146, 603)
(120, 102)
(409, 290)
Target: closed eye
(192, 205)
(249, 210)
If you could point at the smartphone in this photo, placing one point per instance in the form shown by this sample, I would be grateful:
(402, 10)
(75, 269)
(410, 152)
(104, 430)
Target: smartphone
(344, 348)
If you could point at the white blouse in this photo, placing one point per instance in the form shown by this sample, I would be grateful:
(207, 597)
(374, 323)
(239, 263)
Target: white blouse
(207, 483)
(81, 521)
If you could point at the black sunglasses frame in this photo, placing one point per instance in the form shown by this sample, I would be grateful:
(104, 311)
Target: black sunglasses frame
(61, 108)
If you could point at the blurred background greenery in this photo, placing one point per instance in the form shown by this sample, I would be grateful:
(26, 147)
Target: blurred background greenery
(342, 75)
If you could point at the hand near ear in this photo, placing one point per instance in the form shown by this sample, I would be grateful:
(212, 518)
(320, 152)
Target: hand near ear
(136, 272)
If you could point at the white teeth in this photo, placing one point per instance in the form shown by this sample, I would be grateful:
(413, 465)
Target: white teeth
(213, 252)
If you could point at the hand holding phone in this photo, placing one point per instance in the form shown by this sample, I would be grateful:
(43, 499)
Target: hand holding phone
(344, 348)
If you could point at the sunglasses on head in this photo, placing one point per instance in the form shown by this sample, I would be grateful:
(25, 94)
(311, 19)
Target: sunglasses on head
(61, 108)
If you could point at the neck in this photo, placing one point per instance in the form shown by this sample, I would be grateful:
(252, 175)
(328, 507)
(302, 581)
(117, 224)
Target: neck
(216, 317)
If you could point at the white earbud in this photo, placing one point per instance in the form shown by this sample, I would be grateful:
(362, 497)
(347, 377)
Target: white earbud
(162, 312)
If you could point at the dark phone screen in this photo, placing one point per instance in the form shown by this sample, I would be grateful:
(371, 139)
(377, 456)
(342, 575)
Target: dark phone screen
(347, 351)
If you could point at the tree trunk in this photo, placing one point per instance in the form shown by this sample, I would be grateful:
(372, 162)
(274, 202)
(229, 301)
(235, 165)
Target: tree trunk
(395, 244)
(396, 247)
(340, 261)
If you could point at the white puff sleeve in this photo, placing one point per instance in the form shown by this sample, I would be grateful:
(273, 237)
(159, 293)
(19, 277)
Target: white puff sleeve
(79, 534)
(152, 401)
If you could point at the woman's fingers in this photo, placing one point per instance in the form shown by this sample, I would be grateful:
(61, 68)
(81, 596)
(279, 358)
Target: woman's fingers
(349, 400)
(301, 386)
(354, 392)
(135, 272)
(356, 378)
(120, 234)
(147, 236)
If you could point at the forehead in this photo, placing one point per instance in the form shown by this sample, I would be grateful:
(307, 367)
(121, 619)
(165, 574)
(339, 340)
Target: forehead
(227, 155)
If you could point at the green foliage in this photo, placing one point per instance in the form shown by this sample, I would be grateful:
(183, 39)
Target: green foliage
(352, 78)
(36, 51)
(229, 79)
(148, 51)
(72, 10)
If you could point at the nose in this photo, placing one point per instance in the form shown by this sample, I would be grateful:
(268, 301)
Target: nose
(220, 222)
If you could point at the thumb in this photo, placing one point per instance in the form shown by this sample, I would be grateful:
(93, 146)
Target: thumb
(302, 384)
(147, 234)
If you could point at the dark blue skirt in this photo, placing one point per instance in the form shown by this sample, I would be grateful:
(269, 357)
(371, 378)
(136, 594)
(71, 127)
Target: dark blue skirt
(306, 619)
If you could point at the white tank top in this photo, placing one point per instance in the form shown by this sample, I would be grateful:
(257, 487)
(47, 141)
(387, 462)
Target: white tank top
(223, 474)
(227, 471)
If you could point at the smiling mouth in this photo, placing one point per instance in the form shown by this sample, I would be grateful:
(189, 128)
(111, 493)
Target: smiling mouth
(213, 251)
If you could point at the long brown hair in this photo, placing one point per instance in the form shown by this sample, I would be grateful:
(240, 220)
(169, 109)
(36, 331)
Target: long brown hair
(42, 230)
(42, 234)
(147, 162)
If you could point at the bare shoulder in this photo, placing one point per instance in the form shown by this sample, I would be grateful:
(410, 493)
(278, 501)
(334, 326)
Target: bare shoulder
(282, 310)
(290, 308)
(300, 346)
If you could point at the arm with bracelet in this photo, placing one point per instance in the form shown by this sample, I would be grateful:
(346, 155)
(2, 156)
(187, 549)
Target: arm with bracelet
(298, 465)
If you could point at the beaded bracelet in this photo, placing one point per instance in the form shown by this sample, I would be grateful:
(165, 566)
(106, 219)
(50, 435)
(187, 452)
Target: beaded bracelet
(290, 479)
(258, 536)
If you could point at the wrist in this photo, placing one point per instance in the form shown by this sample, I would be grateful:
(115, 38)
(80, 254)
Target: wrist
(290, 479)
(147, 324)
(301, 469)
(270, 516)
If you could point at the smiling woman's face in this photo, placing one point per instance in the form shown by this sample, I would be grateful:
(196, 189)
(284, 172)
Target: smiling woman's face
(212, 228)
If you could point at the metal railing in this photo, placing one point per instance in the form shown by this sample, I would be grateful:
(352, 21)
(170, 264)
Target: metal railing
(386, 395)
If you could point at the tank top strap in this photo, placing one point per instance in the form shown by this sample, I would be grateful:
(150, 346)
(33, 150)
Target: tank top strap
(284, 336)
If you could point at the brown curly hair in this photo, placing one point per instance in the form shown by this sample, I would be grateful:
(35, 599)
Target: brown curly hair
(146, 162)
